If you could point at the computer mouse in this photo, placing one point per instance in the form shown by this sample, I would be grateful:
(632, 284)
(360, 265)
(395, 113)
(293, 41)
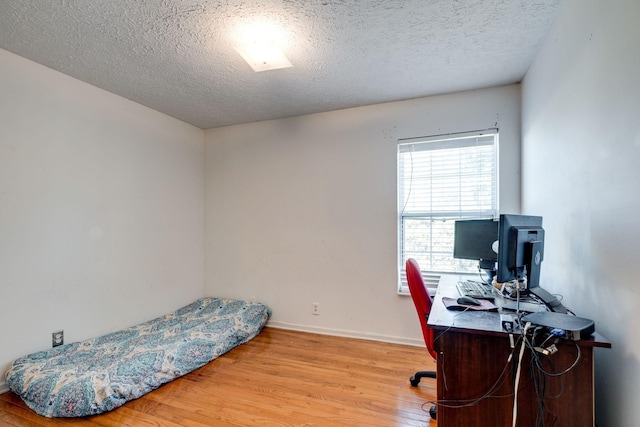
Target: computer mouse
(465, 300)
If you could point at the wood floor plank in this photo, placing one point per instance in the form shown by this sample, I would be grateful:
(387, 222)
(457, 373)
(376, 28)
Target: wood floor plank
(279, 379)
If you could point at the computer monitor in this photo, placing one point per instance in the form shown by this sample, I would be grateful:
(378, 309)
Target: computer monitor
(520, 249)
(520, 253)
(474, 239)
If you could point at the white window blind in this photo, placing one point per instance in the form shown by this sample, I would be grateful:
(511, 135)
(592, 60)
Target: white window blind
(442, 179)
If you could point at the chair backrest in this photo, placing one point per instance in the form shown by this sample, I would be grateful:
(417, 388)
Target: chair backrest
(422, 301)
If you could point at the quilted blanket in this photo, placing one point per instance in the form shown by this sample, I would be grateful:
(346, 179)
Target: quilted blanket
(100, 374)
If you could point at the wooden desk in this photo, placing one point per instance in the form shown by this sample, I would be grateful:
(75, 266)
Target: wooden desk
(472, 362)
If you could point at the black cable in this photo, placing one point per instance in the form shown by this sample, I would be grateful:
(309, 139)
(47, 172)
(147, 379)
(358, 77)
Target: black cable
(540, 387)
(463, 403)
(538, 380)
(436, 338)
(573, 365)
(540, 374)
(487, 281)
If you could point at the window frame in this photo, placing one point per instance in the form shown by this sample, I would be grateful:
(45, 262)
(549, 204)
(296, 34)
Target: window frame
(433, 143)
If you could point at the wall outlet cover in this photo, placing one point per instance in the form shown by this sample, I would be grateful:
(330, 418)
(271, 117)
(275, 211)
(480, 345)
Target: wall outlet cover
(57, 338)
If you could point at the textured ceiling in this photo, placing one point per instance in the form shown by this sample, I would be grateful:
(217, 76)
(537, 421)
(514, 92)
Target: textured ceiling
(178, 56)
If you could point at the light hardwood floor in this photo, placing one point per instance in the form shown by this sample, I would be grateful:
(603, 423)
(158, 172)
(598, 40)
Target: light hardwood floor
(279, 379)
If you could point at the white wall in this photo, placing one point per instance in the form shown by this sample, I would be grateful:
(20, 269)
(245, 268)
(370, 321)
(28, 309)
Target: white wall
(581, 153)
(303, 210)
(101, 210)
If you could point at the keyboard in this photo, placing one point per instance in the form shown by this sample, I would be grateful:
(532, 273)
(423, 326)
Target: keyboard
(475, 290)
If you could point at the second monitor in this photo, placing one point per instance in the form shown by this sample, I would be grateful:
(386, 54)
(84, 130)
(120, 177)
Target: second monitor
(474, 240)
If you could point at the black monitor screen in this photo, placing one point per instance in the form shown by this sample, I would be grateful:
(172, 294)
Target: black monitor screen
(520, 248)
(474, 239)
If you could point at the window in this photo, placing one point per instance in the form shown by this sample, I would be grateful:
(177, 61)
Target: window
(442, 179)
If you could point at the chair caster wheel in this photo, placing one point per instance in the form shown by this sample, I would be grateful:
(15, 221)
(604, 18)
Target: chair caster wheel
(414, 381)
(432, 412)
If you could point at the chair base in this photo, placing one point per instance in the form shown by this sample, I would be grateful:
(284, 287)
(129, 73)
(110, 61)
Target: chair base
(415, 380)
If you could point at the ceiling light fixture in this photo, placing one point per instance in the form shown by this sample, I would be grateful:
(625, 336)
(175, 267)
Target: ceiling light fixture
(260, 43)
(263, 55)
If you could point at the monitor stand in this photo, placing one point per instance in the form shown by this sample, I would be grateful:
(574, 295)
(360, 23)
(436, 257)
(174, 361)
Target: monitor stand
(549, 299)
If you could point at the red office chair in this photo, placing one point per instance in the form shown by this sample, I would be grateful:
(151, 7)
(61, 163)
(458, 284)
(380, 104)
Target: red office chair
(422, 301)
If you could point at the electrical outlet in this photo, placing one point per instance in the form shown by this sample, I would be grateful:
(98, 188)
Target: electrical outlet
(57, 338)
(316, 308)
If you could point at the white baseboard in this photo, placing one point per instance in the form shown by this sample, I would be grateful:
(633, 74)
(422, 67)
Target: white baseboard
(346, 333)
(3, 387)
